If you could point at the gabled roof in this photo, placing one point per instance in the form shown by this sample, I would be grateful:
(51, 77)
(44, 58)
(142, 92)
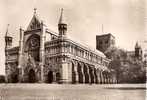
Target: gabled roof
(35, 22)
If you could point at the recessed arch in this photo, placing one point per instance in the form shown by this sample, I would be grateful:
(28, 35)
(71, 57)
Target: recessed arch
(79, 68)
(31, 76)
(73, 73)
(86, 74)
(50, 77)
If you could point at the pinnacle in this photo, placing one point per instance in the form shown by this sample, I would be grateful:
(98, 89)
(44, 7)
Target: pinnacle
(61, 20)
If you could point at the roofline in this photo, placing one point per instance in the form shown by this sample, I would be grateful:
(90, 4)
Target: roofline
(97, 52)
(105, 35)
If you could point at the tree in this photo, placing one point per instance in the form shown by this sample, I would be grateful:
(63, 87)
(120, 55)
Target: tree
(128, 69)
(116, 55)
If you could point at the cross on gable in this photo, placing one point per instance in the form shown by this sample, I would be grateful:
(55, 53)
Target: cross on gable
(35, 10)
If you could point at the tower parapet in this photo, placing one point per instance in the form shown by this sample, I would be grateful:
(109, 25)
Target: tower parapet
(105, 41)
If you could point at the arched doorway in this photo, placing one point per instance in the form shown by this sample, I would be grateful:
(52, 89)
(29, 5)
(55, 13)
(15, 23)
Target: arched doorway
(14, 78)
(32, 76)
(50, 76)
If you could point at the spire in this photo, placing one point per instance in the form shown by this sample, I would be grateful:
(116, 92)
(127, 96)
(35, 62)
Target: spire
(7, 30)
(8, 39)
(137, 45)
(62, 26)
(61, 20)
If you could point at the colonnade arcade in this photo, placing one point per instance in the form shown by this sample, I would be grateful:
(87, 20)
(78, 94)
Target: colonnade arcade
(86, 73)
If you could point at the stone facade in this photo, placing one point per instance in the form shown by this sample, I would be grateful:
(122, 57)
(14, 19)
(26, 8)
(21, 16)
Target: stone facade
(57, 60)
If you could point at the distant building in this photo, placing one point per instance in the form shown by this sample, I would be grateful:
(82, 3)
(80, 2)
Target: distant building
(55, 58)
(105, 41)
(137, 53)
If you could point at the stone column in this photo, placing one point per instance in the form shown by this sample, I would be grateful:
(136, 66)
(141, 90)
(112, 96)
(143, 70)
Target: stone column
(20, 59)
(113, 79)
(104, 75)
(54, 77)
(42, 50)
(110, 80)
(70, 72)
(76, 72)
(102, 78)
(88, 71)
(98, 76)
(94, 78)
(95, 73)
(106, 78)
(82, 69)
(65, 72)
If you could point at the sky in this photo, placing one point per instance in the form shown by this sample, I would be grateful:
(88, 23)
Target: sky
(125, 19)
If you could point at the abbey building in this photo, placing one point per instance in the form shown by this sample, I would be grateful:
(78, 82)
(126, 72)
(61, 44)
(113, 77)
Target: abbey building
(50, 57)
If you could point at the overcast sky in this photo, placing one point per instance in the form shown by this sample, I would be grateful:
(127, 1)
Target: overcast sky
(125, 19)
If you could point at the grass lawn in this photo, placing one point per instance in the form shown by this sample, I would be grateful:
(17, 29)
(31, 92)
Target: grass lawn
(72, 92)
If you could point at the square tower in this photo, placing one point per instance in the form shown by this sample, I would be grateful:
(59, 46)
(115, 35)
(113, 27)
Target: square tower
(103, 42)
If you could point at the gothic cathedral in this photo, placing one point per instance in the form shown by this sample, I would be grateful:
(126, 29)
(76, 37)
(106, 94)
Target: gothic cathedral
(53, 59)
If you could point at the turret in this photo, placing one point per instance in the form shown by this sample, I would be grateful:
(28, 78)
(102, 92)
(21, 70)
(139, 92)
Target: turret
(8, 45)
(8, 40)
(62, 26)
